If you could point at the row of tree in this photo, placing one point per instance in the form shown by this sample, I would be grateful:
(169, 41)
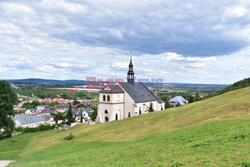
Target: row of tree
(49, 93)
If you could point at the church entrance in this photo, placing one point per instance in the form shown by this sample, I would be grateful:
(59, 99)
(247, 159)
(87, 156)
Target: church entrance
(106, 119)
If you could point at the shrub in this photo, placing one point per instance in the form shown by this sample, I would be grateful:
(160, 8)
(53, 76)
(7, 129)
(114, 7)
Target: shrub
(177, 164)
(241, 136)
(151, 109)
(245, 164)
(39, 128)
(70, 137)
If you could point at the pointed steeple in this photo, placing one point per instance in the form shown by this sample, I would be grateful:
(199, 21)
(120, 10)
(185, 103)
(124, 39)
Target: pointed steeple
(130, 74)
(130, 61)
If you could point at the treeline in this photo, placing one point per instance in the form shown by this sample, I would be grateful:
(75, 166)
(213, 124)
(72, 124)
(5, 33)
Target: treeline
(165, 96)
(36, 129)
(237, 85)
(49, 93)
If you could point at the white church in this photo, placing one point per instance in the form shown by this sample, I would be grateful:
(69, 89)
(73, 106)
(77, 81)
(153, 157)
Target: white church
(127, 99)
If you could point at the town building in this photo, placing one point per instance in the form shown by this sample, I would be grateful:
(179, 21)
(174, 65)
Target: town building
(124, 99)
(177, 100)
(31, 121)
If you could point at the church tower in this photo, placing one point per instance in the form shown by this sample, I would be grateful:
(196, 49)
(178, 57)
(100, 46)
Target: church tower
(130, 76)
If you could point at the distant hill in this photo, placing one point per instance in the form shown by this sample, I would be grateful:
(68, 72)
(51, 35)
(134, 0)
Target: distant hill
(237, 85)
(212, 132)
(72, 81)
(44, 81)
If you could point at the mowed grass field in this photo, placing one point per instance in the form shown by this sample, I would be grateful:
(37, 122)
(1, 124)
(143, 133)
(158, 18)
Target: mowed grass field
(213, 132)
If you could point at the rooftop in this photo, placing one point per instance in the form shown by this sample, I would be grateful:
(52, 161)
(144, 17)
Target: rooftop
(27, 119)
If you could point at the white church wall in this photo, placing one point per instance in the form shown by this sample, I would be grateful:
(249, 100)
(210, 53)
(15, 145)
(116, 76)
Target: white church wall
(114, 106)
(117, 98)
(112, 110)
(129, 105)
(144, 106)
(161, 106)
(119, 110)
(114, 97)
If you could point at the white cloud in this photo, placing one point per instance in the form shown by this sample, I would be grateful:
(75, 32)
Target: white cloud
(62, 4)
(16, 8)
(170, 56)
(232, 12)
(62, 39)
(120, 65)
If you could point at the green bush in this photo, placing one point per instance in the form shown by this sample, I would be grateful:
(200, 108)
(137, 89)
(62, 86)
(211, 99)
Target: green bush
(245, 164)
(39, 128)
(177, 164)
(70, 137)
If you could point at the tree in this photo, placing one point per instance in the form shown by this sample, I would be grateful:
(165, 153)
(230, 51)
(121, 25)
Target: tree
(58, 116)
(178, 104)
(94, 114)
(69, 115)
(75, 102)
(190, 98)
(81, 106)
(33, 104)
(151, 109)
(197, 96)
(7, 99)
(167, 105)
(81, 118)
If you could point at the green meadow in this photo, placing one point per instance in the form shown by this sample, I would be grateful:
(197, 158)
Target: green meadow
(212, 132)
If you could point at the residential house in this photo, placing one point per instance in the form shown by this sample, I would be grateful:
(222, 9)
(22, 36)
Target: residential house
(177, 100)
(84, 114)
(31, 111)
(31, 121)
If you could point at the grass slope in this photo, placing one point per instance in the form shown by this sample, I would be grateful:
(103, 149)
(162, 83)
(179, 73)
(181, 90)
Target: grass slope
(211, 144)
(11, 147)
(206, 133)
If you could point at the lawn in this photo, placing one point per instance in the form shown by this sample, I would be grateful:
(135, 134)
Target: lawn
(223, 143)
(10, 148)
(212, 132)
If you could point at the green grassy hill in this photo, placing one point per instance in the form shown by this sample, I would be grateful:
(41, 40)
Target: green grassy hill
(237, 85)
(212, 132)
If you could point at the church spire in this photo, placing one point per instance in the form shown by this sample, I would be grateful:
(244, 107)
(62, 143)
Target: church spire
(130, 76)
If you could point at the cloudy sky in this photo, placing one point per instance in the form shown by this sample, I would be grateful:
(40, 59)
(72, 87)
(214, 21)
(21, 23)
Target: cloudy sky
(177, 40)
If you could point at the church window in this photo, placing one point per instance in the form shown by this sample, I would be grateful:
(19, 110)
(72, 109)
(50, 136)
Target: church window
(104, 98)
(106, 112)
(108, 98)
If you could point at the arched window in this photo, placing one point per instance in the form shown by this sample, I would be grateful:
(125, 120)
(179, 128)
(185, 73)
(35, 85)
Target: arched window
(104, 98)
(116, 117)
(108, 98)
(106, 112)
